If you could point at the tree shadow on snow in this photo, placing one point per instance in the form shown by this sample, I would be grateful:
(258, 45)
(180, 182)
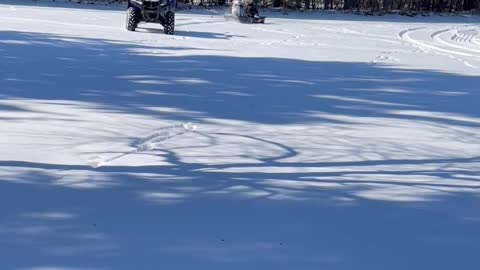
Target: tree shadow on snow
(129, 79)
(268, 214)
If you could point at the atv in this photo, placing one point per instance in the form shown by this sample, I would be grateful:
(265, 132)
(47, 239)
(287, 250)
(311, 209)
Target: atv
(153, 11)
(236, 12)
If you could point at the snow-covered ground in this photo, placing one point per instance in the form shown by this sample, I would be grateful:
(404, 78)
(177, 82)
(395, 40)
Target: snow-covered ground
(321, 142)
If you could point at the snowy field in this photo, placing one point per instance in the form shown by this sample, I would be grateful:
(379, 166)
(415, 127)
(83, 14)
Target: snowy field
(321, 141)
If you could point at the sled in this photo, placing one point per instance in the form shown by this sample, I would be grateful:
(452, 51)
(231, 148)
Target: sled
(245, 19)
(235, 13)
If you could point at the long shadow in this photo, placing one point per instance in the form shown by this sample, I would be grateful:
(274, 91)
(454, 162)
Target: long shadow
(201, 221)
(126, 78)
(192, 215)
(194, 34)
(213, 175)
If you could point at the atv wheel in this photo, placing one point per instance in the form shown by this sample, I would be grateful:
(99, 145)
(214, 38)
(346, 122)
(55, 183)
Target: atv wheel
(132, 18)
(169, 27)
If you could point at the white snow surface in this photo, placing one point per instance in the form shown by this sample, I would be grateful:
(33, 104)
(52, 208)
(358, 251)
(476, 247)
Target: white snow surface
(314, 141)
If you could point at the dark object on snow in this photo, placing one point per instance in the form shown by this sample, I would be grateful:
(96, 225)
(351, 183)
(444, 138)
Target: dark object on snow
(249, 14)
(251, 11)
(153, 11)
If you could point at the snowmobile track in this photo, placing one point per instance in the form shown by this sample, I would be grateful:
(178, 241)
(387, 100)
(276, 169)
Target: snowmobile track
(427, 47)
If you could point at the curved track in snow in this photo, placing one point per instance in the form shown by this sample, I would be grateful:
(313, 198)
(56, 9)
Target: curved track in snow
(458, 44)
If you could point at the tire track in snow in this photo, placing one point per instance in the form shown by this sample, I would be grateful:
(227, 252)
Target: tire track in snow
(295, 38)
(274, 31)
(465, 35)
(437, 37)
(363, 35)
(405, 35)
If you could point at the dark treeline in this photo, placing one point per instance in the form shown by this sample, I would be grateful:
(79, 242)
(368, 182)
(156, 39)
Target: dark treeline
(363, 5)
(370, 5)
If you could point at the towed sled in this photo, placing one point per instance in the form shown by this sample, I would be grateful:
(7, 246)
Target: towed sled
(245, 19)
(236, 12)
